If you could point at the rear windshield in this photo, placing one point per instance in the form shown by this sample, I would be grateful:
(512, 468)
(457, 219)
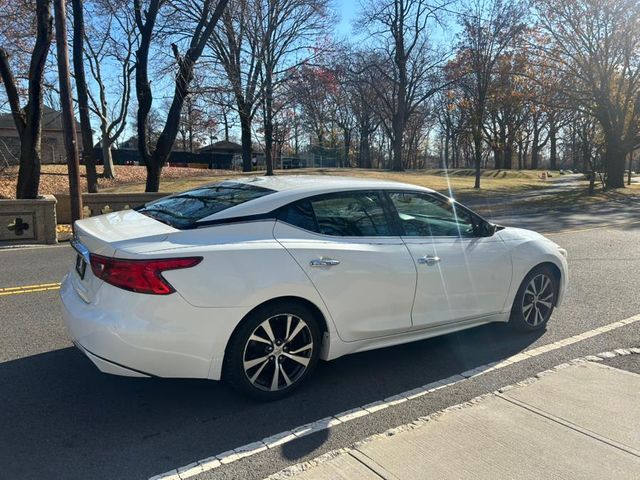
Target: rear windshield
(185, 209)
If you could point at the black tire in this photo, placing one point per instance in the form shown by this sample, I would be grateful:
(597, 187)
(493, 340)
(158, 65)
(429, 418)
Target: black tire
(243, 351)
(530, 311)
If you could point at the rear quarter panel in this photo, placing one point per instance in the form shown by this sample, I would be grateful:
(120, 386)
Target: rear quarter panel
(243, 266)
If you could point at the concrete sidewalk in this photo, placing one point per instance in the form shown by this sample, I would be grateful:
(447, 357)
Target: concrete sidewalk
(582, 421)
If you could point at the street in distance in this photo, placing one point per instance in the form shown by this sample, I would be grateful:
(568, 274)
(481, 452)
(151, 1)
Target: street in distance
(254, 280)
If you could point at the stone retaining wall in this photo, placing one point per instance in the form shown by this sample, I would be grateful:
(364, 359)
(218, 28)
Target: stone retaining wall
(25, 222)
(98, 203)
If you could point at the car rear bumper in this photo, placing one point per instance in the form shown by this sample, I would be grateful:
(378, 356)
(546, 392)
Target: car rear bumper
(132, 334)
(107, 366)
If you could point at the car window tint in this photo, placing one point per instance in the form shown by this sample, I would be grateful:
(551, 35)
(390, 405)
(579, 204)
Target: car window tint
(185, 209)
(424, 215)
(357, 214)
(299, 214)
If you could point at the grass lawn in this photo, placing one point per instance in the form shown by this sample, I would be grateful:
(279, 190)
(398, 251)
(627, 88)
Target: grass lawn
(501, 190)
(459, 182)
(513, 190)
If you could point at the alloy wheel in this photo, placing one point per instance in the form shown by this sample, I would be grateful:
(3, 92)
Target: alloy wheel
(537, 301)
(278, 352)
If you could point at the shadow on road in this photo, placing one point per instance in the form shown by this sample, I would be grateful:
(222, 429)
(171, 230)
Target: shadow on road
(61, 418)
(586, 216)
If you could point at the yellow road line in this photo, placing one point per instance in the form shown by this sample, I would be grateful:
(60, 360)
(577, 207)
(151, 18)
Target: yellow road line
(43, 287)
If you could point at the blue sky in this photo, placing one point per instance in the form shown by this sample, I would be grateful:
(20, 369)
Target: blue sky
(347, 10)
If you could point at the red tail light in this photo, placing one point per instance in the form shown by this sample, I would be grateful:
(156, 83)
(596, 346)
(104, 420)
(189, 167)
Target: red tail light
(141, 276)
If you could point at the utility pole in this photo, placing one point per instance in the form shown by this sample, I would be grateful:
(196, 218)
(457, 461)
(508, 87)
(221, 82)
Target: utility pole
(68, 122)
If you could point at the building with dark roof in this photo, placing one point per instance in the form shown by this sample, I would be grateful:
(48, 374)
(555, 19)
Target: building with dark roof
(52, 149)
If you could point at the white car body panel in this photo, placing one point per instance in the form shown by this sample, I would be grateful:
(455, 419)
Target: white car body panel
(472, 276)
(377, 296)
(105, 233)
(528, 249)
(370, 292)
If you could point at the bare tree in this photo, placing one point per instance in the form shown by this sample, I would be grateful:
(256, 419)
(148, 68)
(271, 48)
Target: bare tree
(289, 31)
(209, 12)
(238, 47)
(364, 104)
(595, 47)
(407, 61)
(83, 95)
(111, 41)
(28, 120)
(490, 28)
(311, 88)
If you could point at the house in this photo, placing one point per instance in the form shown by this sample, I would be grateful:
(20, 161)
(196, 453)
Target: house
(222, 146)
(52, 149)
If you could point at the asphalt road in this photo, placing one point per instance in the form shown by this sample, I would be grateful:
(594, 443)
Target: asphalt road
(61, 418)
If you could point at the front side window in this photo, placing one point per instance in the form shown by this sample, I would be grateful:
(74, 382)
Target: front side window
(424, 215)
(185, 209)
(349, 214)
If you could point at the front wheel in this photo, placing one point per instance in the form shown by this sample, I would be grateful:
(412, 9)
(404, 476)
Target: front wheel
(273, 351)
(535, 300)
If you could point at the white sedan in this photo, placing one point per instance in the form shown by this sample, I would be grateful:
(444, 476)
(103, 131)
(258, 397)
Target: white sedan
(253, 280)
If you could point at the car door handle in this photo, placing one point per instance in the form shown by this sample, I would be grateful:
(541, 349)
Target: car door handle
(324, 262)
(429, 260)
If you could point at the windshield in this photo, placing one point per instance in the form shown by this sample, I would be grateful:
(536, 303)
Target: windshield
(185, 209)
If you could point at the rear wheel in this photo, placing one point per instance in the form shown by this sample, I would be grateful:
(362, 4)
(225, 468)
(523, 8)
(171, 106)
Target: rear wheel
(273, 351)
(535, 300)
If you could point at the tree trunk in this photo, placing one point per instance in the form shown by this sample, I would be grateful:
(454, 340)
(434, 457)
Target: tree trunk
(614, 160)
(477, 143)
(245, 132)
(400, 115)
(346, 134)
(396, 145)
(268, 122)
(497, 158)
(83, 96)
(586, 150)
(445, 159)
(365, 151)
(508, 155)
(520, 155)
(29, 121)
(107, 159)
(153, 177)
(29, 169)
(553, 148)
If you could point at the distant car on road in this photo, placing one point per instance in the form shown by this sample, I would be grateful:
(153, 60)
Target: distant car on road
(253, 280)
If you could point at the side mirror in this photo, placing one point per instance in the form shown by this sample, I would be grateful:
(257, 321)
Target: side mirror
(486, 229)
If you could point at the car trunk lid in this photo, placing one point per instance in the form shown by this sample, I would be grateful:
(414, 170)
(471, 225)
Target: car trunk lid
(105, 235)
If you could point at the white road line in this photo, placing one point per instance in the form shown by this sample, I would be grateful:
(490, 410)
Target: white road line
(273, 441)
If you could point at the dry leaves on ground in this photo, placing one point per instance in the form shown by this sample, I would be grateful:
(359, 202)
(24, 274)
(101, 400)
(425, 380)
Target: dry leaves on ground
(53, 178)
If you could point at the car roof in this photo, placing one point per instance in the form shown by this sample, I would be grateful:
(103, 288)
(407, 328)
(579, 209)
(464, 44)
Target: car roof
(289, 188)
(313, 183)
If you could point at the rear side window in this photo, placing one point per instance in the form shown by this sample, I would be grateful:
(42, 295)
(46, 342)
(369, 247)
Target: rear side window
(300, 214)
(185, 209)
(348, 214)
